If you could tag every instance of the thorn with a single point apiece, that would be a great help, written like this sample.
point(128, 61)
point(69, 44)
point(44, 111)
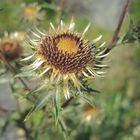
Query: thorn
point(86, 29)
point(97, 39)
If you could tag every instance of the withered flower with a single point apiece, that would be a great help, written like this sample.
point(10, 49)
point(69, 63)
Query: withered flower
point(10, 46)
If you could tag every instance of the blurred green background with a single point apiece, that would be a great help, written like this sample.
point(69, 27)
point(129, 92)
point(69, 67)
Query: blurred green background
point(117, 113)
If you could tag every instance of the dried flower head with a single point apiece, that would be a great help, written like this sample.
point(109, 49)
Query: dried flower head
point(10, 46)
point(65, 57)
point(32, 13)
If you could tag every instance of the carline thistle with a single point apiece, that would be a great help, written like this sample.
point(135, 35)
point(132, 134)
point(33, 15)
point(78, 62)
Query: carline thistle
point(65, 58)
point(11, 46)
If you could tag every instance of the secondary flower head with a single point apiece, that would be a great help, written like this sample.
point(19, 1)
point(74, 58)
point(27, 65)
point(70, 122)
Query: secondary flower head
point(90, 113)
point(10, 46)
point(65, 57)
point(32, 13)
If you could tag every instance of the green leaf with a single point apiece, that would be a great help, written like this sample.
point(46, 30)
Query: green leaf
point(37, 118)
point(57, 104)
point(62, 125)
point(39, 105)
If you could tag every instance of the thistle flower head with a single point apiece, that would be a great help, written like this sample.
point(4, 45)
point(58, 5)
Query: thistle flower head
point(65, 57)
point(10, 46)
point(32, 13)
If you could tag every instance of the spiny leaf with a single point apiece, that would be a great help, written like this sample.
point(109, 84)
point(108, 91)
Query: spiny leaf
point(62, 125)
point(57, 104)
point(39, 105)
